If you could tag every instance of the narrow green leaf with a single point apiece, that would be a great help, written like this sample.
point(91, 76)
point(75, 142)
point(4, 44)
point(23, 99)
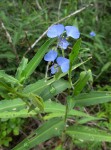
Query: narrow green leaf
point(21, 68)
point(8, 78)
point(38, 86)
point(92, 98)
point(88, 134)
point(105, 67)
point(54, 89)
point(49, 129)
point(34, 62)
point(15, 108)
point(83, 79)
point(10, 105)
point(75, 51)
point(53, 115)
point(37, 101)
point(24, 113)
point(85, 120)
point(54, 107)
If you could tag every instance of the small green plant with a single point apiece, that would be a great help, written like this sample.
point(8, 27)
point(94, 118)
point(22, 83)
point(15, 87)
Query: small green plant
point(19, 99)
point(7, 128)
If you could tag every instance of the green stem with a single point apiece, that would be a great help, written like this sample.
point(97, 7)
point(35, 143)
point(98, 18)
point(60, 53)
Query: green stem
point(63, 53)
point(65, 124)
point(47, 68)
point(69, 77)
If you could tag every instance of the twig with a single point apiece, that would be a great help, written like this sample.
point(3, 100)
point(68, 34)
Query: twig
point(47, 68)
point(38, 5)
point(72, 14)
point(104, 146)
point(60, 3)
point(10, 41)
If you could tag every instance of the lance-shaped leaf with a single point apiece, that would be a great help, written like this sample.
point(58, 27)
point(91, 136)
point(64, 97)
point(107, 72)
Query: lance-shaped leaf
point(54, 107)
point(49, 129)
point(75, 52)
point(38, 86)
point(24, 113)
point(34, 62)
point(85, 133)
point(54, 89)
point(7, 78)
point(92, 98)
point(12, 105)
point(83, 79)
point(15, 108)
point(21, 68)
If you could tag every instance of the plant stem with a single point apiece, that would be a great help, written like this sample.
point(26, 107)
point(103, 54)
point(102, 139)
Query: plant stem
point(69, 77)
point(8, 36)
point(65, 124)
point(47, 68)
point(63, 53)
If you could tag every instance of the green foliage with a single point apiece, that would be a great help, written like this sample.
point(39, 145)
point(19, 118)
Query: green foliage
point(72, 105)
point(82, 81)
point(75, 52)
point(48, 130)
point(34, 62)
point(88, 134)
point(7, 127)
point(28, 101)
point(92, 98)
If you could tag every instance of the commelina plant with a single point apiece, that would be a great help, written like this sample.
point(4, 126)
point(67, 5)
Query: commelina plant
point(62, 33)
point(39, 100)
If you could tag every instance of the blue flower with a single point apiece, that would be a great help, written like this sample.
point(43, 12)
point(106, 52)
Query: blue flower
point(63, 63)
point(55, 30)
point(63, 43)
point(72, 31)
point(54, 69)
point(92, 34)
point(50, 56)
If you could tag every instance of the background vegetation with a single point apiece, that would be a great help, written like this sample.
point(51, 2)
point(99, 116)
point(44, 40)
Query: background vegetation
point(25, 21)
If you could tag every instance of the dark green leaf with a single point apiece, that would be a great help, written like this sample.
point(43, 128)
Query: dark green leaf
point(8, 78)
point(92, 98)
point(21, 68)
point(34, 62)
point(83, 79)
point(54, 89)
point(49, 129)
point(88, 134)
point(75, 51)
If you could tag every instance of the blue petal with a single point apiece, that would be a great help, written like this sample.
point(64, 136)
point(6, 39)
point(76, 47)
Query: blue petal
point(50, 56)
point(63, 63)
point(65, 67)
point(72, 31)
point(63, 43)
point(54, 69)
point(92, 34)
point(55, 30)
